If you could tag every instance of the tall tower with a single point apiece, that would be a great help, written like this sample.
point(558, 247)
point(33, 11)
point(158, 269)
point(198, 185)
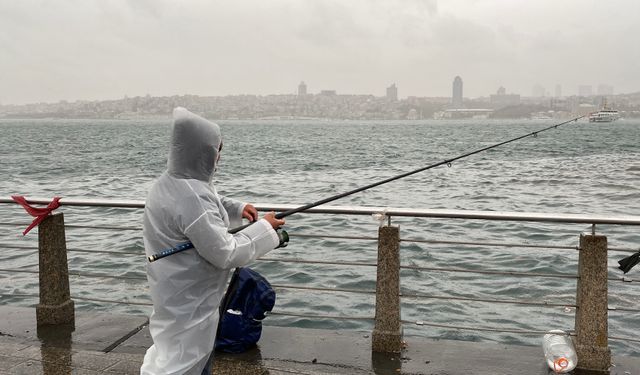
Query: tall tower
point(392, 93)
point(456, 100)
point(302, 88)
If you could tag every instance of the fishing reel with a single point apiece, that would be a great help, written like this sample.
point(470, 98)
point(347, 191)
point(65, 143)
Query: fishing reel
point(283, 237)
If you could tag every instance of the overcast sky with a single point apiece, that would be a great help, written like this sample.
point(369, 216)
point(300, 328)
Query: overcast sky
point(100, 49)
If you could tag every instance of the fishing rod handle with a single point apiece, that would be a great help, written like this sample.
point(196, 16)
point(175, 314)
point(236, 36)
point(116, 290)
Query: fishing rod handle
point(186, 246)
point(173, 250)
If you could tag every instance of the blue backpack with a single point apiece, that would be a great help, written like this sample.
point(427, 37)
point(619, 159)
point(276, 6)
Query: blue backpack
point(248, 299)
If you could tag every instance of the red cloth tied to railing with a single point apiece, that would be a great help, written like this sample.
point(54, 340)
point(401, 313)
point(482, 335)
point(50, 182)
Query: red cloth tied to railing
point(39, 213)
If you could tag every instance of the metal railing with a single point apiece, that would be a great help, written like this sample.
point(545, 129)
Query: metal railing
point(387, 335)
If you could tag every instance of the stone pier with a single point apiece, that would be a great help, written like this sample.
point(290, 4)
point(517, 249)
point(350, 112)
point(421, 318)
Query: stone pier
point(387, 334)
point(56, 306)
point(591, 323)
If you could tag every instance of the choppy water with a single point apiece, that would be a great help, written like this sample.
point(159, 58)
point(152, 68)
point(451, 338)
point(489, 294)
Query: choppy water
point(579, 168)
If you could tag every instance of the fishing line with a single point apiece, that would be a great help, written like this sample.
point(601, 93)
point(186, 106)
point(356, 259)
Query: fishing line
point(448, 162)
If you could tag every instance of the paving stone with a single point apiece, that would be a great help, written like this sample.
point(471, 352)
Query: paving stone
point(9, 348)
point(124, 367)
point(33, 367)
point(7, 362)
point(93, 361)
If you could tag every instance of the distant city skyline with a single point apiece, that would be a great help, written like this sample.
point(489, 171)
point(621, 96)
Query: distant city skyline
point(392, 93)
point(96, 50)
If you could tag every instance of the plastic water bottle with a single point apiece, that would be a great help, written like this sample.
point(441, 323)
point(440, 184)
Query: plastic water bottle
point(559, 351)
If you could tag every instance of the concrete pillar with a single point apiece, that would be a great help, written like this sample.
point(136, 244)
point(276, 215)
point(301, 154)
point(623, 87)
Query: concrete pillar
point(55, 349)
point(387, 334)
point(592, 313)
point(56, 306)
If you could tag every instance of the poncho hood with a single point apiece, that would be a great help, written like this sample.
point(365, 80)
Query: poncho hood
point(194, 146)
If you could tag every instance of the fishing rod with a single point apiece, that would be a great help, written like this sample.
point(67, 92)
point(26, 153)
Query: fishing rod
point(281, 215)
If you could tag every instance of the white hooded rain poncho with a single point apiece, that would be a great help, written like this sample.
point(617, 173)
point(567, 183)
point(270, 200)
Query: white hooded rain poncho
point(187, 288)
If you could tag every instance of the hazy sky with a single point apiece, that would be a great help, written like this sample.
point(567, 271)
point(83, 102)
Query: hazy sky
point(105, 49)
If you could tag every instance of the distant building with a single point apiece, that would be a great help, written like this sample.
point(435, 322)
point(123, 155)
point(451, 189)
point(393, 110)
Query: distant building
point(558, 91)
point(302, 88)
point(456, 100)
point(585, 90)
point(328, 92)
point(537, 91)
point(501, 99)
point(392, 93)
point(605, 90)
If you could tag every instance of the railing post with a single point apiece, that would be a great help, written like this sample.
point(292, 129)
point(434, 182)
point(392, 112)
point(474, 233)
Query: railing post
point(591, 324)
point(56, 306)
point(387, 334)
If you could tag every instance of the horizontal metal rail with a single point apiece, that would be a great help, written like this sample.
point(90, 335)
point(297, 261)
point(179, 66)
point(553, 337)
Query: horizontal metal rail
point(502, 330)
point(505, 244)
point(74, 297)
point(489, 300)
point(314, 316)
point(133, 253)
point(510, 273)
point(294, 260)
point(7, 270)
point(18, 247)
point(492, 244)
point(35, 248)
point(617, 338)
point(111, 301)
point(113, 203)
point(507, 301)
point(625, 309)
point(491, 272)
point(19, 295)
point(333, 290)
point(103, 276)
point(108, 227)
point(12, 224)
point(304, 235)
point(78, 226)
point(352, 210)
point(478, 329)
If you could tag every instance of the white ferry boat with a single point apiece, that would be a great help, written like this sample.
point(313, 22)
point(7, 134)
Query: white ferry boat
point(606, 114)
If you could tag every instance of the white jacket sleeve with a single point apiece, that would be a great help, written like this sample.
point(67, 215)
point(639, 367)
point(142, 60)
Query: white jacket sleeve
point(234, 209)
point(212, 241)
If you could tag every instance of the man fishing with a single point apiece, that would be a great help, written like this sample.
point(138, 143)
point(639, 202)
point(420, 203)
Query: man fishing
point(186, 289)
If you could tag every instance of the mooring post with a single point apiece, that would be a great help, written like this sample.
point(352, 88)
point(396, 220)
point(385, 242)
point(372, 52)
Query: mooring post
point(387, 334)
point(56, 306)
point(591, 298)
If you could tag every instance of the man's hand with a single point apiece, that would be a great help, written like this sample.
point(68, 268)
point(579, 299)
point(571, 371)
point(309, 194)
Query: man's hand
point(275, 223)
point(250, 213)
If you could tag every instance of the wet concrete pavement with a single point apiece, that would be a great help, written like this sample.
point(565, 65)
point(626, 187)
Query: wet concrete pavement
point(110, 344)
